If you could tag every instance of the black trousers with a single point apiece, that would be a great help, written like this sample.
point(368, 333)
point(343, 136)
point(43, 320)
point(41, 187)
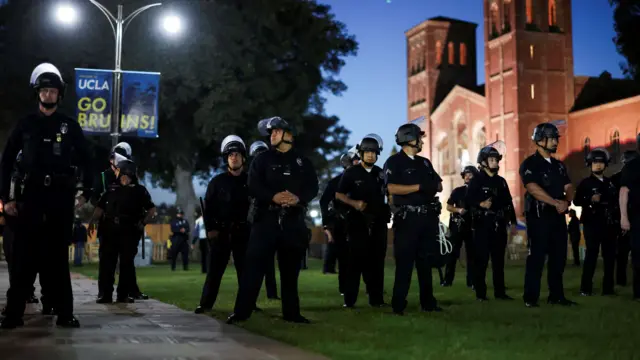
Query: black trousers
point(118, 243)
point(547, 235)
point(204, 254)
point(233, 241)
point(415, 240)
point(42, 232)
point(330, 258)
point(180, 247)
point(268, 237)
point(7, 248)
point(575, 247)
point(490, 242)
point(635, 254)
point(366, 252)
point(622, 258)
point(341, 248)
point(599, 234)
point(270, 278)
point(135, 289)
point(458, 237)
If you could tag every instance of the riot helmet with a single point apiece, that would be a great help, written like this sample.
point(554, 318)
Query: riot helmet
point(122, 151)
point(233, 144)
point(128, 168)
point(258, 147)
point(544, 132)
point(490, 151)
point(266, 126)
point(346, 161)
point(353, 153)
point(598, 155)
point(179, 211)
point(469, 169)
point(372, 143)
point(627, 156)
point(407, 133)
point(47, 76)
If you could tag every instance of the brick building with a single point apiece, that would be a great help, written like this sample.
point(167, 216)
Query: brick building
point(529, 79)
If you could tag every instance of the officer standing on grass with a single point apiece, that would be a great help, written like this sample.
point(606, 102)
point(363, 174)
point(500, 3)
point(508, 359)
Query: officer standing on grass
point(598, 197)
point(413, 184)
point(549, 193)
point(624, 237)
point(180, 240)
point(630, 213)
point(283, 182)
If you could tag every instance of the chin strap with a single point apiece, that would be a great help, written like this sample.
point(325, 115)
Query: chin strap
point(546, 142)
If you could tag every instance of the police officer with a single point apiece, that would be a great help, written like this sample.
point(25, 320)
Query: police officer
point(492, 212)
point(362, 189)
point(180, 240)
point(413, 184)
point(624, 238)
point(574, 236)
point(257, 148)
point(460, 228)
point(283, 183)
point(122, 211)
point(549, 193)
point(630, 213)
point(43, 216)
point(226, 206)
point(334, 225)
point(596, 195)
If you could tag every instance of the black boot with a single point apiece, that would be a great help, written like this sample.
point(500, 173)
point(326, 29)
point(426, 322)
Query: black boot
point(69, 321)
point(11, 323)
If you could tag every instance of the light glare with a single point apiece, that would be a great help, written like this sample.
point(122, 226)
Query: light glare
point(172, 24)
point(66, 14)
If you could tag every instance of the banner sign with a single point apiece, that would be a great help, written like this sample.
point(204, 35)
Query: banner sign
point(93, 110)
point(140, 93)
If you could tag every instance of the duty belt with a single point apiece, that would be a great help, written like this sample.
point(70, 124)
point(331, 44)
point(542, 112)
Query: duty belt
point(403, 210)
point(285, 211)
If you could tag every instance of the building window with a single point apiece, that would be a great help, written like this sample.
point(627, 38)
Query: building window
point(438, 52)
point(506, 16)
point(529, 11)
point(533, 91)
point(531, 51)
point(452, 55)
point(495, 18)
point(615, 146)
point(587, 147)
point(463, 54)
point(553, 20)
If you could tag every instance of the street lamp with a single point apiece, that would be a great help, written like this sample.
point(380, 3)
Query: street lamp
point(172, 24)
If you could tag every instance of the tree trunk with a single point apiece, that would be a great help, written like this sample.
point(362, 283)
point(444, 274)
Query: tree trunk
point(186, 194)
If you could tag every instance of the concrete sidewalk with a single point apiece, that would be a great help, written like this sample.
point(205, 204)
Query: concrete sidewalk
point(146, 330)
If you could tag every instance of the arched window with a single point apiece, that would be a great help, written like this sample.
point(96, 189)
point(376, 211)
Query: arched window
point(587, 146)
point(438, 52)
point(615, 146)
point(553, 20)
point(452, 55)
point(495, 19)
point(463, 54)
point(506, 16)
point(529, 11)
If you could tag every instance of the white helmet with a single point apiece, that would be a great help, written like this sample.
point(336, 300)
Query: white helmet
point(122, 151)
point(232, 143)
point(44, 68)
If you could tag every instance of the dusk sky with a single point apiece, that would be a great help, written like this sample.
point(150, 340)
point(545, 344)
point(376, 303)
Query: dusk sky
point(376, 99)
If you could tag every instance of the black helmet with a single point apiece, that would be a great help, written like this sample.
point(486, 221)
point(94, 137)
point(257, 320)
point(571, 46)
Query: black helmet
point(231, 144)
point(598, 155)
point(265, 126)
point(346, 161)
point(545, 131)
point(469, 170)
point(628, 155)
point(179, 211)
point(407, 133)
point(371, 142)
point(488, 152)
point(257, 148)
point(127, 167)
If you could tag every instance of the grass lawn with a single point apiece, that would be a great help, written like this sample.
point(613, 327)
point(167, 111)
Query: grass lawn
point(599, 328)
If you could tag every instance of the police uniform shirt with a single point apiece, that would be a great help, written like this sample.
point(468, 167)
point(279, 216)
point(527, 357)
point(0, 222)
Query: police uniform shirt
point(368, 186)
point(591, 186)
point(273, 172)
point(631, 179)
point(329, 198)
point(551, 175)
point(128, 203)
point(226, 201)
point(482, 187)
point(458, 200)
point(102, 183)
point(400, 169)
point(48, 144)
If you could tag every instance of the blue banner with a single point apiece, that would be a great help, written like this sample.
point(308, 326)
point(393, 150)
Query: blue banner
point(140, 93)
point(93, 110)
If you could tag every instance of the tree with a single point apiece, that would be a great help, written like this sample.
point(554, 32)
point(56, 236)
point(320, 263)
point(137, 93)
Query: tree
point(626, 18)
point(234, 67)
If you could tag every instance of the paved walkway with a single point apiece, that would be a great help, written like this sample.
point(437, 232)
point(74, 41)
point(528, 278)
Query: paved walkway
point(146, 330)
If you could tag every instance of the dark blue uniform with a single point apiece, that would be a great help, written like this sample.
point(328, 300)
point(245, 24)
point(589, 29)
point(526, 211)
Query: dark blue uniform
point(546, 229)
point(276, 228)
point(631, 180)
point(460, 229)
point(49, 146)
point(623, 245)
point(227, 204)
point(333, 220)
point(366, 233)
point(415, 225)
point(601, 228)
point(490, 229)
point(574, 237)
point(180, 242)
